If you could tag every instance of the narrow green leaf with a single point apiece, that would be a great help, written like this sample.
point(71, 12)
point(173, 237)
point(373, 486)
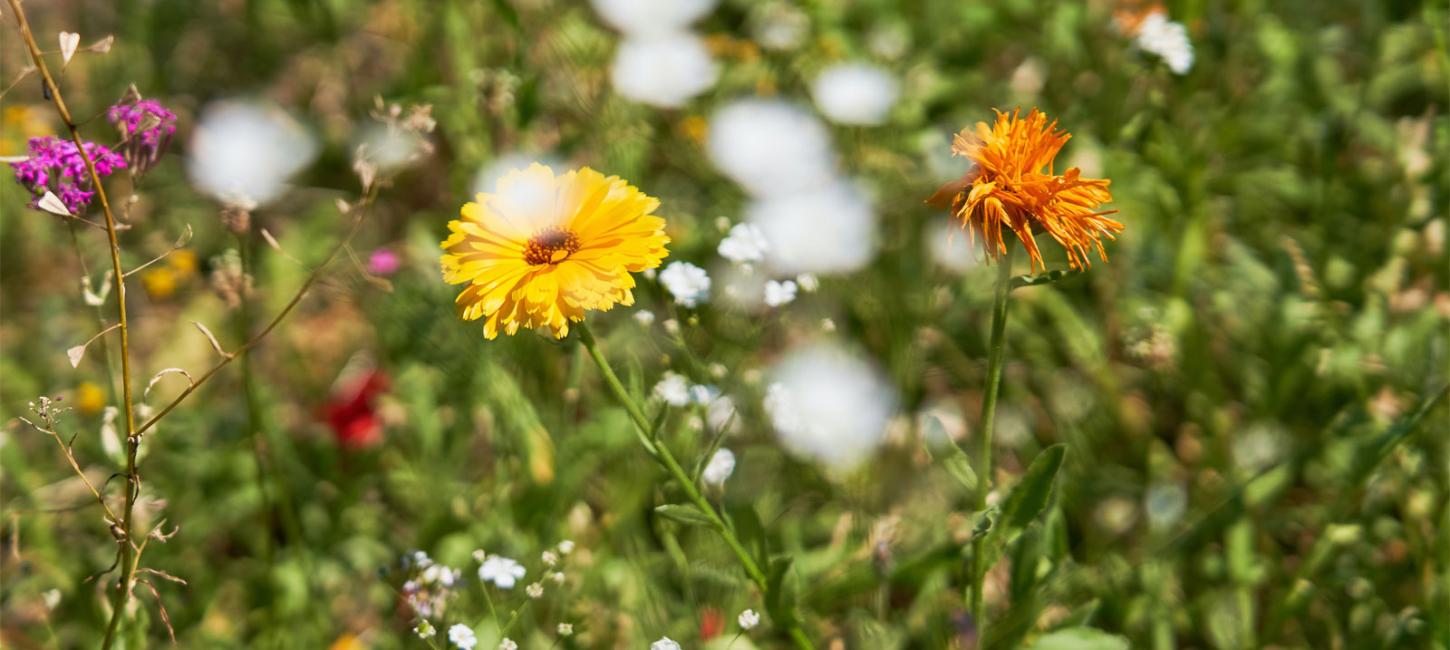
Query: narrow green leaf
point(1031, 495)
point(960, 467)
point(685, 514)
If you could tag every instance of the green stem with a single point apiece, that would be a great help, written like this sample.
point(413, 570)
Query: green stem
point(995, 352)
point(662, 454)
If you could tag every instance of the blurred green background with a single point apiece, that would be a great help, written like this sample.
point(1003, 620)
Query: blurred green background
point(1234, 387)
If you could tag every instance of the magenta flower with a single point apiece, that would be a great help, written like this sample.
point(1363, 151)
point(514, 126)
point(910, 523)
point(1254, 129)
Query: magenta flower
point(146, 128)
point(56, 165)
point(384, 261)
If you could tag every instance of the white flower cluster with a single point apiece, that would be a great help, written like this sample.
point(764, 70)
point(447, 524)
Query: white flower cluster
point(1167, 39)
point(829, 405)
point(660, 62)
point(689, 284)
point(243, 153)
point(855, 93)
point(429, 584)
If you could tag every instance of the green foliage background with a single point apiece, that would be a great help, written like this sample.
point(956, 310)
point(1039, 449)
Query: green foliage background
point(1270, 325)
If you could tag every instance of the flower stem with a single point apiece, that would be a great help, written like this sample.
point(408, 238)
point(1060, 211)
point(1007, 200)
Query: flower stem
point(996, 350)
point(662, 454)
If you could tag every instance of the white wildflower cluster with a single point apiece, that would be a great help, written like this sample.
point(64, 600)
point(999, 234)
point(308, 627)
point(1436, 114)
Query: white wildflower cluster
point(748, 619)
point(665, 643)
point(1167, 39)
point(429, 585)
point(660, 62)
point(677, 391)
point(242, 153)
point(855, 93)
point(689, 284)
point(803, 217)
point(829, 405)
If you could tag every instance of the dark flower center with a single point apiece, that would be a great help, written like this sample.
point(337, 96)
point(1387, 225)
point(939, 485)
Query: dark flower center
point(550, 246)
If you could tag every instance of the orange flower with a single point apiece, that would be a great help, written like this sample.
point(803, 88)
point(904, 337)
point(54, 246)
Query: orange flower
point(1010, 189)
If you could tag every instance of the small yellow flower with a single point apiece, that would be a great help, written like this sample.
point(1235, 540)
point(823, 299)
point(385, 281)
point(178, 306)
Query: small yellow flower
point(182, 261)
point(159, 283)
point(347, 642)
point(544, 249)
point(18, 124)
point(1013, 187)
point(90, 398)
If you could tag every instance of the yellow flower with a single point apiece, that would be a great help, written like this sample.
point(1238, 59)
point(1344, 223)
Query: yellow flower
point(1010, 189)
point(182, 261)
point(160, 283)
point(543, 249)
point(347, 642)
point(90, 399)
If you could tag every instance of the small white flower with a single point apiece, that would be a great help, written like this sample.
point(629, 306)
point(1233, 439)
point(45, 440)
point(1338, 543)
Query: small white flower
point(779, 293)
point(566, 547)
point(643, 17)
point(672, 326)
point(51, 598)
point(779, 26)
point(501, 571)
point(665, 643)
point(689, 284)
point(744, 244)
point(663, 70)
point(721, 465)
point(425, 630)
point(673, 389)
point(557, 577)
point(855, 93)
point(808, 282)
point(748, 619)
point(720, 414)
point(243, 153)
point(507, 644)
point(703, 394)
point(550, 558)
point(644, 317)
point(535, 590)
point(566, 629)
point(479, 555)
point(462, 636)
point(1167, 39)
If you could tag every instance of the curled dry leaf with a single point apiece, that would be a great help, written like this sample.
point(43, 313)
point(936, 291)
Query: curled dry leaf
point(52, 204)
point(215, 345)
point(168, 371)
point(103, 46)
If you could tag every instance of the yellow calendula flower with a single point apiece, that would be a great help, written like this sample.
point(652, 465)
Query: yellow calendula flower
point(1013, 187)
point(545, 248)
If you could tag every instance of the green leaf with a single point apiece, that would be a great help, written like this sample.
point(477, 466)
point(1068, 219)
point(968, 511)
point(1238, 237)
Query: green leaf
point(1031, 495)
point(783, 591)
point(685, 514)
point(1079, 638)
point(1041, 278)
point(960, 467)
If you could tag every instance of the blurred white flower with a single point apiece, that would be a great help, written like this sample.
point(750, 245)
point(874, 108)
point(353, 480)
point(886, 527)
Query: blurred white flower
point(566, 547)
point(549, 558)
point(832, 230)
point(1167, 39)
point(535, 590)
point(501, 571)
point(779, 293)
point(425, 630)
point(673, 389)
point(771, 147)
point(645, 17)
point(507, 644)
point(644, 317)
point(947, 242)
point(689, 284)
point(703, 394)
point(566, 629)
point(1165, 504)
point(738, 285)
point(748, 619)
point(779, 26)
point(808, 282)
point(488, 176)
point(720, 467)
point(744, 244)
point(389, 147)
point(51, 598)
point(663, 70)
point(461, 636)
point(829, 404)
point(855, 93)
point(243, 153)
point(720, 414)
point(665, 643)
point(941, 423)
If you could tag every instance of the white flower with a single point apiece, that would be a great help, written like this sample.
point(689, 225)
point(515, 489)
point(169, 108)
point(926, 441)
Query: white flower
point(644, 317)
point(832, 230)
point(390, 147)
point(779, 26)
point(808, 282)
point(425, 630)
point(566, 547)
point(243, 153)
point(689, 284)
point(501, 571)
point(673, 389)
point(855, 93)
point(779, 293)
point(703, 394)
point(1167, 39)
point(771, 147)
point(507, 644)
point(744, 244)
point(566, 629)
point(748, 619)
point(557, 577)
point(550, 558)
point(663, 70)
point(720, 414)
point(643, 17)
point(829, 405)
point(720, 467)
point(462, 636)
point(51, 598)
point(665, 643)
point(535, 590)
point(437, 574)
point(479, 555)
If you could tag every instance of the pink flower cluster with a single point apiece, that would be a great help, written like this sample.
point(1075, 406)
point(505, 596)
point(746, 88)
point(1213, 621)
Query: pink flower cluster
point(146, 127)
point(56, 165)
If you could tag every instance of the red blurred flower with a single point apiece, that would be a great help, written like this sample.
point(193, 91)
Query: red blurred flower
point(352, 411)
point(712, 623)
